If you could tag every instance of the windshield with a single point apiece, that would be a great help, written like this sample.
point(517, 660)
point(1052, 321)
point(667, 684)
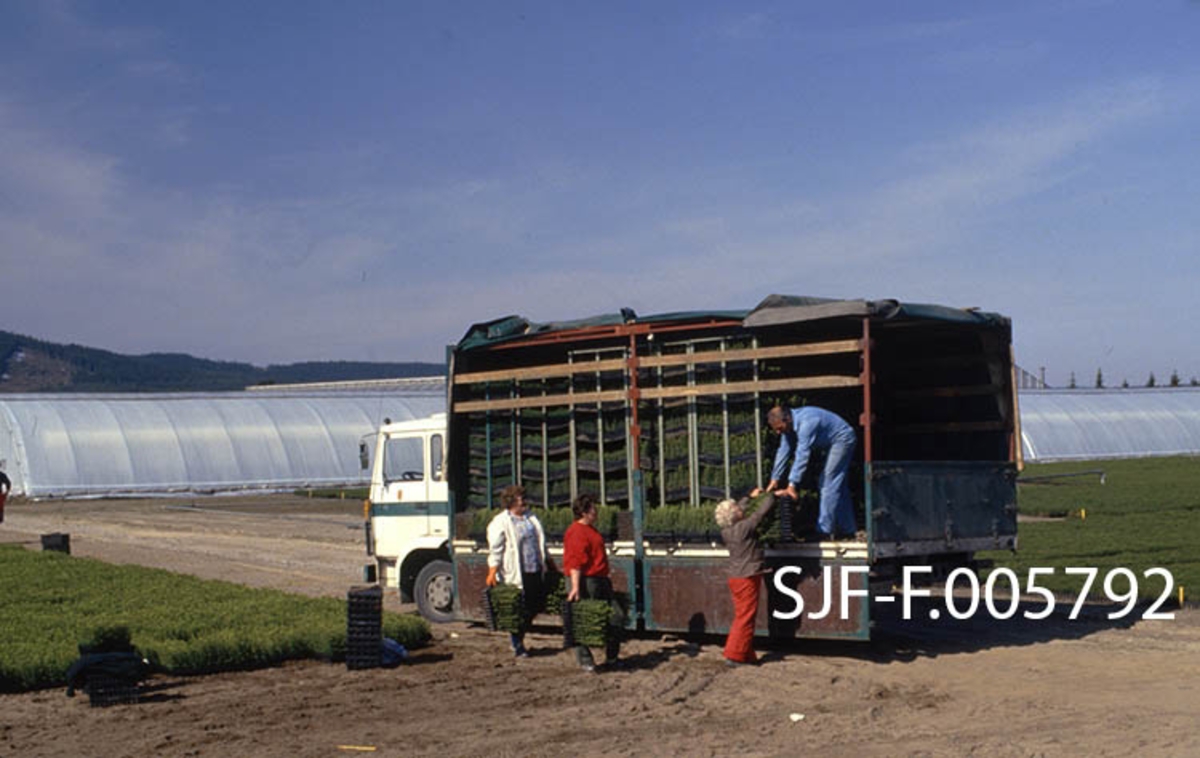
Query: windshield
point(403, 459)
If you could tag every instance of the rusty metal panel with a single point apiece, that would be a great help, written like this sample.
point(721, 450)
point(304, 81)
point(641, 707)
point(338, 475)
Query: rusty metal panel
point(687, 594)
point(692, 595)
point(469, 582)
point(820, 585)
point(624, 587)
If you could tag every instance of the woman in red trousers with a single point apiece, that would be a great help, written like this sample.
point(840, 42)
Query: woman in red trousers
point(746, 569)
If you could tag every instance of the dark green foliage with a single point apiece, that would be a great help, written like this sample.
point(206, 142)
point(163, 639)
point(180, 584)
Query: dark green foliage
point(555, 521)
point(590, 622)
point(768, 529)
point(696, 523)
point(341, 371)
point(107, 639)
point(682, 522)
point(94, 370)
point(507, 608)
point(50, 603)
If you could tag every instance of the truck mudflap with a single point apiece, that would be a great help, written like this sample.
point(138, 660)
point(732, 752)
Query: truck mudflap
point(943, 506)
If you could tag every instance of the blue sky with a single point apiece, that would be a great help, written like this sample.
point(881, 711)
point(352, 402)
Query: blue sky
point(284, 181)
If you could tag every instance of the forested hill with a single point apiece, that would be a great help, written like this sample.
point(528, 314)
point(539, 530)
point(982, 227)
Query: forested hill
point(32, 365)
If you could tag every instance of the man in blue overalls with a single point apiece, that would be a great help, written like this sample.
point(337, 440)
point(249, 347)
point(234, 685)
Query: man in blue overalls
point(800, 431)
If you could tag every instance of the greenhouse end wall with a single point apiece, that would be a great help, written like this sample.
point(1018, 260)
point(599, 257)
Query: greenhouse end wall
point(94, 445)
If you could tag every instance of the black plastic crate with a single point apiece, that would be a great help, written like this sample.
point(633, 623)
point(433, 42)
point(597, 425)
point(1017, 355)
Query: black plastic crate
point(361, 662)
point(364, 628)
point(568, 625)
point(104, 690)
point(367, 596)
point(57, 542)
point(787, 519)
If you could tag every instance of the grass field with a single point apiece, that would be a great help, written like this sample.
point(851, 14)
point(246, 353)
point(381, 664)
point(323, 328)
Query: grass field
point(50, 602)
point(1145, 514)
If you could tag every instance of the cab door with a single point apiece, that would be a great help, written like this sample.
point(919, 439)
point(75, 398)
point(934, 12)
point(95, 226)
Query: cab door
point(404, 481)
point(437, 493)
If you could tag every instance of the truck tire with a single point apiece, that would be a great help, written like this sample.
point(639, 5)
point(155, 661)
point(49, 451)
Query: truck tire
point(434, 592)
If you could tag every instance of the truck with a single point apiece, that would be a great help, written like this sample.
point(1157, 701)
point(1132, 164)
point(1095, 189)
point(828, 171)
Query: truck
point(407, 514)
point(660, 417)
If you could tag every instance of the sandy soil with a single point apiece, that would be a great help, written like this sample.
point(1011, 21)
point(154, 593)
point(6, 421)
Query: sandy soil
point(978, 688)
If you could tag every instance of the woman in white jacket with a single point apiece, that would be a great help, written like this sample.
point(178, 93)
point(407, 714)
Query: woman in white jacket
point(517, 555)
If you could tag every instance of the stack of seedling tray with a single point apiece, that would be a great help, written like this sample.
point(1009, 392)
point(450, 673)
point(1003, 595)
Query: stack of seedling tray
point(364, 628)
point(504, 605)
point(785, 519)
point(586, 622)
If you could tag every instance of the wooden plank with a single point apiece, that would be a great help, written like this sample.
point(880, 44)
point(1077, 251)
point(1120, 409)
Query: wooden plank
point(659, 393)
point(540, 401)
point(551, 371)
point(559, 370)
point(754, 353)
point(749, 387)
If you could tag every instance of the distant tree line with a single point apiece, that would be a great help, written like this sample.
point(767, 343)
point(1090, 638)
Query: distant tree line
point(94, 370)
point(1151, 381)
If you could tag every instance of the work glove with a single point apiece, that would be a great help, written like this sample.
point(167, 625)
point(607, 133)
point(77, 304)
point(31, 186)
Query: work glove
point(492, 581)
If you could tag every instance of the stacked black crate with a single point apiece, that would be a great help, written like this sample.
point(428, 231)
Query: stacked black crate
point(108, 689)
point(364, 627)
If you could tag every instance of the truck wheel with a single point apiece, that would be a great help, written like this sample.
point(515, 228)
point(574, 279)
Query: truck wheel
point(434, 592)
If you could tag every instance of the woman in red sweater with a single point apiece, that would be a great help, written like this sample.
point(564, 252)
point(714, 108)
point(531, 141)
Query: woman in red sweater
point(585, 562)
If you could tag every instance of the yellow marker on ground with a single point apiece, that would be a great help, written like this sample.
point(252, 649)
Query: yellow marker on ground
point(1083, 514)
point(1181, 596)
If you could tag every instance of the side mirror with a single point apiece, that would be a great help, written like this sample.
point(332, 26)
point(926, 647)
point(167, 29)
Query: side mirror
point(364, 458)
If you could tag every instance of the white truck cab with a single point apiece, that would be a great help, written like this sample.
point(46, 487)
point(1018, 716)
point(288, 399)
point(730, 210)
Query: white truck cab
point(408, 514)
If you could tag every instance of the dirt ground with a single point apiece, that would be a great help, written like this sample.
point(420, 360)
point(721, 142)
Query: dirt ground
point(978, 688)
